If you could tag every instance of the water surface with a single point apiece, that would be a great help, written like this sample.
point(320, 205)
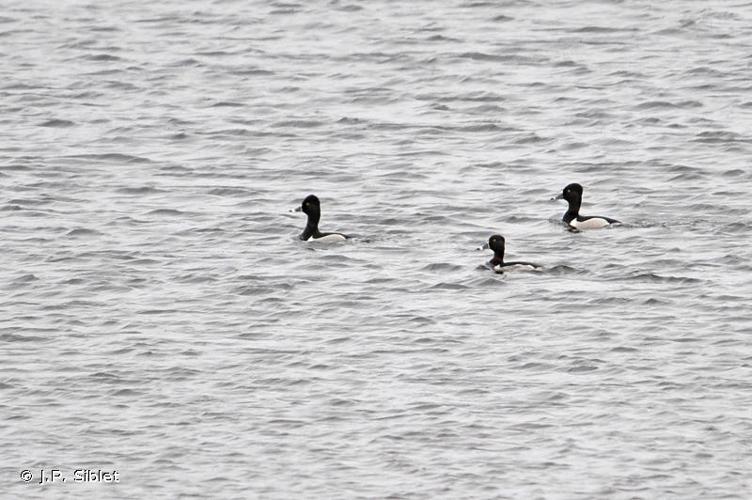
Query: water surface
point(160, 318)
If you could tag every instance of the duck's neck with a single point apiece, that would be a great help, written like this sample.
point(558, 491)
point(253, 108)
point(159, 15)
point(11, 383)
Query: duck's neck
point(574, 209)
point(312, 226)
point(498, 258)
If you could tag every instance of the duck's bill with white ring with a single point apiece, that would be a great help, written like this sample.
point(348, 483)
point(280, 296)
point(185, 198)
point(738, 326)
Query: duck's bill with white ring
point(560, 196)
point(484, 246)
point(299, 209)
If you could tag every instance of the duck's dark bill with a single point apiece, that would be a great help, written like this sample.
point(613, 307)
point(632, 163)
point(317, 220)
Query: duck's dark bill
point(299, 209)
point(484, 246)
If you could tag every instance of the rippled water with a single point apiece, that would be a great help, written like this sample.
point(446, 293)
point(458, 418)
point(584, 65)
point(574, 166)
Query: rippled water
point(160, 318)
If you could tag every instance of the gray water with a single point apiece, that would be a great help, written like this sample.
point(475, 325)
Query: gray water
point(160, 318)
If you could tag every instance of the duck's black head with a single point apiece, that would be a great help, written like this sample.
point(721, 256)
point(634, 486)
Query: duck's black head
point(311, 205)
point(572, 192)
point(497, 244)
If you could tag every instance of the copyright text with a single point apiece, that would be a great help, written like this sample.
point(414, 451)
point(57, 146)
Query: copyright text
point(45, 476)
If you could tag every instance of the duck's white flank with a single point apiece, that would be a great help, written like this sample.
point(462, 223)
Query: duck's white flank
point(329, 238)
point(592, 223)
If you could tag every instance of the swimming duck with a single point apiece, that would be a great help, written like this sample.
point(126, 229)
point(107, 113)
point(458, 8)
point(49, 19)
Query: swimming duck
point(311, 206)
point(573, 194)
point(497, 243)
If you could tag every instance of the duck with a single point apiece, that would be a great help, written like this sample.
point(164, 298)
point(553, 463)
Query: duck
point(572, 193)
point(311, 206)
point(497, 243)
